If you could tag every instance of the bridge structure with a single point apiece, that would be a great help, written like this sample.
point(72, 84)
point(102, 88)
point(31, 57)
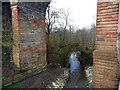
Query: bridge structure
point(29, 43)
point(28, 27)
point(105, 57)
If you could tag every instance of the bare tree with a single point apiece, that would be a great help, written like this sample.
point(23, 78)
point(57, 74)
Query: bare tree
point(64, 21)
point(51, 18)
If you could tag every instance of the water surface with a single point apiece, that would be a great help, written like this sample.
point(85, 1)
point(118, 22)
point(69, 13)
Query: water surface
point(78, 77)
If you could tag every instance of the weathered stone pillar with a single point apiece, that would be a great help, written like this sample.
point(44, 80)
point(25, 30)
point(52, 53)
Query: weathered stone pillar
point(29, 43)
point(105, 56)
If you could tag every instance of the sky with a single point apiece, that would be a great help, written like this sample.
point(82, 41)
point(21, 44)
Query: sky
point(82, 12)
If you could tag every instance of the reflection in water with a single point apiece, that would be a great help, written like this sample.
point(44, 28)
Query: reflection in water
point(77, 77)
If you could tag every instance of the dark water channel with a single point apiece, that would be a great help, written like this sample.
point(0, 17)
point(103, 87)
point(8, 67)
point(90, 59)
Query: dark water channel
point(78, 77)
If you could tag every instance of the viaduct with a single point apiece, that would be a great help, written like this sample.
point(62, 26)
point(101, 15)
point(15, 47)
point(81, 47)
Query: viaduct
point(29, 45)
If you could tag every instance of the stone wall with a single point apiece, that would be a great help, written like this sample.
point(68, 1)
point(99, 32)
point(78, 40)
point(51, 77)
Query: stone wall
point(105, 56)
point(29, 47)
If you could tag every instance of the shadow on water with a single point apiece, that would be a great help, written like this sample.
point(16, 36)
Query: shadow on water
point(78, 77)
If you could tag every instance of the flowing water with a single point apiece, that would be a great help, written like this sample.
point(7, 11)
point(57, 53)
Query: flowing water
point(79, 78)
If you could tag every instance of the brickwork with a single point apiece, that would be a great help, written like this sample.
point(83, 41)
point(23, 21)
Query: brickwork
point(105, 56)
point(29, 48)
point(29, 45)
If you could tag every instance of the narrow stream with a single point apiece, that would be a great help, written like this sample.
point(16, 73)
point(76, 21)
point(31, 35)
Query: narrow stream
point(78, 78)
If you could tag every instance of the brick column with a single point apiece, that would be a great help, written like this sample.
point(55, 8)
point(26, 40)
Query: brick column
point(105, 56)
point(16, 41)
point(29, 43)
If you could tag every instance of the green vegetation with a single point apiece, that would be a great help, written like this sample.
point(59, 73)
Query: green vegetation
point(59, 50)
point(64, 38)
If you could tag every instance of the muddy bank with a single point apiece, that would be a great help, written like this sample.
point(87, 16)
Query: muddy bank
point(79, 77)
point(47, 79)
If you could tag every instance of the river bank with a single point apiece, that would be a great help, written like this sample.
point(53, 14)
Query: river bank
point(56, 77)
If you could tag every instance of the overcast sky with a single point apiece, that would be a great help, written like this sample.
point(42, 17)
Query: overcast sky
point(82, 12)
